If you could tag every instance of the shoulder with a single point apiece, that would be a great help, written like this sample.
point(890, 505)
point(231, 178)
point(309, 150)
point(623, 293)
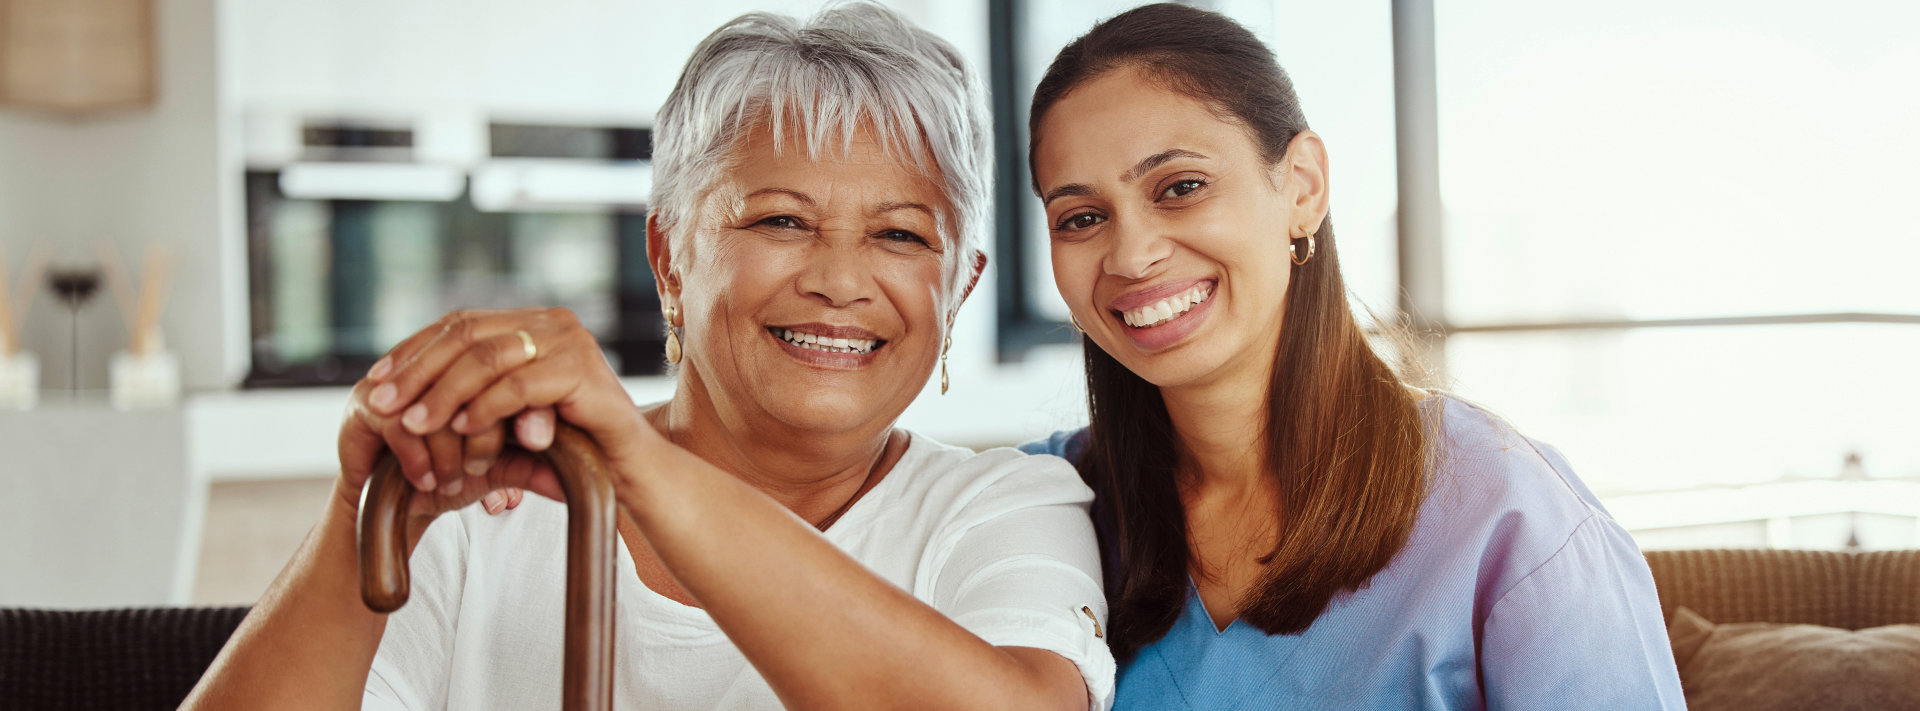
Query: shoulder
point(1011, 476)
point(1480, 460)
point(1507, 500)
point(1065, 444)
point(957, 483)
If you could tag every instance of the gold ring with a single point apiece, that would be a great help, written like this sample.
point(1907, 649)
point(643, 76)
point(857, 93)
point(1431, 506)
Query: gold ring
point(526, 340)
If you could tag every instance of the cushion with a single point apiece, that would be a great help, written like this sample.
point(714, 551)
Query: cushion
point(1765, 666)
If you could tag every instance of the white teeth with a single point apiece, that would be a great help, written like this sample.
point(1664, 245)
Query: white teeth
point(1165, 310)
point(830, 345)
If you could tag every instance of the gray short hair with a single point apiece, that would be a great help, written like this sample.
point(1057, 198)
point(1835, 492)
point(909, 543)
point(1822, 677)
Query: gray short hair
point(852, 65)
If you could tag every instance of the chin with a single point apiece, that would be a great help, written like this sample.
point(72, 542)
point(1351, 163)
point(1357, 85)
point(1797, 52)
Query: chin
point(828, 409)
point(1188, 364)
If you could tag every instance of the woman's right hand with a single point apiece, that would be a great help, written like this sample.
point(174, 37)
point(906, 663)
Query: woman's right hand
point(437, 463)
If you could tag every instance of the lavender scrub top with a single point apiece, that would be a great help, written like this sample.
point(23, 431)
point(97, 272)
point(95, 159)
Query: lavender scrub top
point(1516, 591)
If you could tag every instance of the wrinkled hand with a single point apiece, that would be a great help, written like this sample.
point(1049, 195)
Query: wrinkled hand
point(365, 435)
point(442, 399)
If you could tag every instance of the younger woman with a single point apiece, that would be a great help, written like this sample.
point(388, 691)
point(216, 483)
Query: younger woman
point(1286, 523)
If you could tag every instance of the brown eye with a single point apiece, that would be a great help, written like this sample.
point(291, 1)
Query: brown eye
point(782, 221)
point(1182, 188)
point(904, 236)
point(1077, 222)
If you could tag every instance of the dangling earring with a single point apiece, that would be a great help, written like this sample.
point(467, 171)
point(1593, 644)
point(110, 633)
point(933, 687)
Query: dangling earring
point(673, 336)
point(1294, 255)
point(944, 347)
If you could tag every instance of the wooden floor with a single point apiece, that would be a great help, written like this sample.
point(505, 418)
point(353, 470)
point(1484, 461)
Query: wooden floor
point(252, 529)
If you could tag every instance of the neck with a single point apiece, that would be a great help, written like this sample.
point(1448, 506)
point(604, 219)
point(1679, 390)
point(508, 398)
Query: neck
point(814, 474)
point(1221, 428)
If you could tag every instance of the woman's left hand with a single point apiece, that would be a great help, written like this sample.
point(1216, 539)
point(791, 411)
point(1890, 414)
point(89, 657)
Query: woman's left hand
point(472, 369)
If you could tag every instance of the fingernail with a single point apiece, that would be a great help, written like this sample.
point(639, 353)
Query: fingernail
point(381, 369)
point(460, 423)
point(453, 486)
point(416, 418)
point(426, 482)
point(543, 430)
point(383, 396)
point(493, 503)
point(476, 467)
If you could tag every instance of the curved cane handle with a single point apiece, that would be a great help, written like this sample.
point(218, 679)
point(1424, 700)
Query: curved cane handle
point(588, 482)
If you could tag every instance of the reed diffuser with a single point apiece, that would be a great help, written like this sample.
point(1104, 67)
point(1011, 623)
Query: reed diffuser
point(144, 375)
point(19, 369)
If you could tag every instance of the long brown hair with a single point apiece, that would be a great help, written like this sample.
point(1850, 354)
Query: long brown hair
point(1344, 437)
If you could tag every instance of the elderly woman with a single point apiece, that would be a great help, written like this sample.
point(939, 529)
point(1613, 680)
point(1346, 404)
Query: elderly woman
point(817, 209)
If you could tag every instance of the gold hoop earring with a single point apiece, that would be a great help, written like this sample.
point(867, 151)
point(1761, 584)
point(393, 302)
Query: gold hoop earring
point(944, 347)
point(673, 336)
point(1076, 323)
point(1293, 253)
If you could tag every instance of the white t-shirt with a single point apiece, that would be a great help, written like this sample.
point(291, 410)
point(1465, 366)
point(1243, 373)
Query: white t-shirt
point(998, 541)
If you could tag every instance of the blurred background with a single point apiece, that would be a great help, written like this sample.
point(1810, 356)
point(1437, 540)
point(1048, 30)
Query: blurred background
point(1671, 238)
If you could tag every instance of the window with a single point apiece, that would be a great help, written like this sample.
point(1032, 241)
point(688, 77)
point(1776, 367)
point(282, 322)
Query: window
point(1676, 242)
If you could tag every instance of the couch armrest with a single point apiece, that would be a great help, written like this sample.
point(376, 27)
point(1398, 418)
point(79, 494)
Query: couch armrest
point(121, 659)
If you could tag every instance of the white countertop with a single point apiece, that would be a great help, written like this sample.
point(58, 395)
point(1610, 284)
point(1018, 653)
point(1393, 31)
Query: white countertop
point(290, 433)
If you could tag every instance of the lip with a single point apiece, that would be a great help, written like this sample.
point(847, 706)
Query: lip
point(1169, 333)
point(824, 359)
point(1147, 295)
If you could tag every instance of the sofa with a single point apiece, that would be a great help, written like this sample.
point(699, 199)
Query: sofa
point(53, 660)
point(150, 658)
point(1757, 630)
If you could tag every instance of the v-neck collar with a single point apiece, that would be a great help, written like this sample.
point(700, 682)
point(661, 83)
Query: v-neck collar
point(1187, 647)
point(1198, 605)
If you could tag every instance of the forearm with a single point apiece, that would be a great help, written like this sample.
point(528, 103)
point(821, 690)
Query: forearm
point(823, 630)
point(309, 641)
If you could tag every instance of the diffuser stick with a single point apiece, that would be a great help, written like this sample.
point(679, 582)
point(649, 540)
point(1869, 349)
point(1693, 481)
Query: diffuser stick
point(153, 295)
point(29, 285)
point(7, 345)
point(13, 308)
point(122, 284)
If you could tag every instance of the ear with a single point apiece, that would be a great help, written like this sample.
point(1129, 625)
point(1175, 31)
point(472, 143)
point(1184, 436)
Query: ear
point(979, 267)
point(660, 257)
point(1307, 172)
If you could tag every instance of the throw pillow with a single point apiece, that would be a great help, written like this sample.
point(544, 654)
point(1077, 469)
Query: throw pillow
point(1765, 666)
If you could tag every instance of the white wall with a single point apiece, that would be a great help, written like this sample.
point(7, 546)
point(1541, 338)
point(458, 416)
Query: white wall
point(148, 175)
point(610, 61)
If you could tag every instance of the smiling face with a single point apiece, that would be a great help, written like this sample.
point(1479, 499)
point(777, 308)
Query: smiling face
point(813, 291)
point(1169, 231)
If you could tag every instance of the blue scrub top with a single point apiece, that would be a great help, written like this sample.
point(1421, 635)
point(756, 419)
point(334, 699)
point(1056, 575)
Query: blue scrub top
point(1516, 591)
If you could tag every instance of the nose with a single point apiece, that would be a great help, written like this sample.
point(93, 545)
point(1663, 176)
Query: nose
point(1138, 246)
point(837, 275)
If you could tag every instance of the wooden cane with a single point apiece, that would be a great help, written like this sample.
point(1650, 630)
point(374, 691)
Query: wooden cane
point(587, 684)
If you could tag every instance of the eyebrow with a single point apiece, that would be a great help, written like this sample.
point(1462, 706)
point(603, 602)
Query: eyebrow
point(1149, 163)
point(807, 200)
point(891, 206)
point(804, 198)
point(1155, 161)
